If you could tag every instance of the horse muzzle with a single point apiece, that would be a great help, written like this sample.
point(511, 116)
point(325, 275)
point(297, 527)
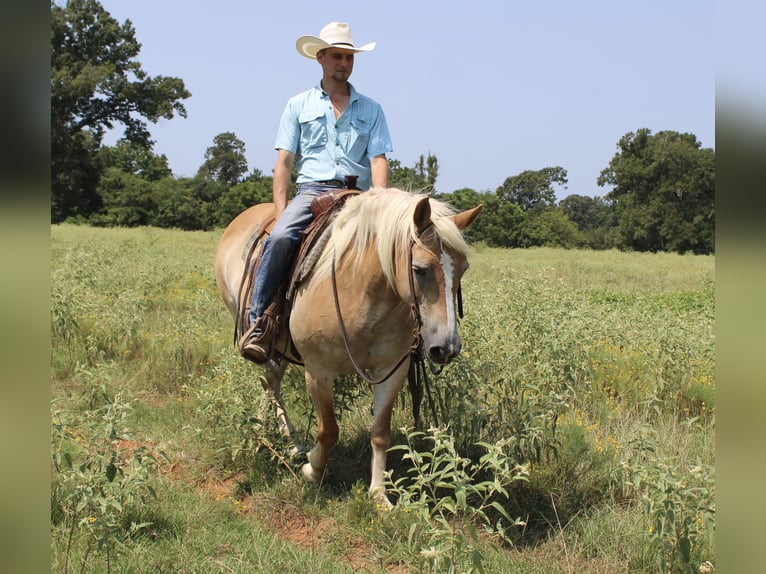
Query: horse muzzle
point(443, 354)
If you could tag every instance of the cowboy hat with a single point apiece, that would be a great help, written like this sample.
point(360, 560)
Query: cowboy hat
point(335, 34)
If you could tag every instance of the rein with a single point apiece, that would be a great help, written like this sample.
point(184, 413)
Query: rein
point(414, 311)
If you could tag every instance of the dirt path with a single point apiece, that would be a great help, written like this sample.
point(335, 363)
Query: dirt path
point(300, 529)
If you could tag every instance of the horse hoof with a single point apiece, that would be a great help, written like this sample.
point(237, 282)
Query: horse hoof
point(382, 503)
point(310, 473)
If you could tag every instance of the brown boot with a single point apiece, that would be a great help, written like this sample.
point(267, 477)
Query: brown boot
point(255, 344)
point(253, 347)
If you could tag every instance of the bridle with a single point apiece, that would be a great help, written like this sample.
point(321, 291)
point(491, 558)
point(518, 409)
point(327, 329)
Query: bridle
point(417, 376)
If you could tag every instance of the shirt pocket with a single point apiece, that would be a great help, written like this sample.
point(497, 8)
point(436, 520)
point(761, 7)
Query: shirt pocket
point(313, 129)
point(358, 138)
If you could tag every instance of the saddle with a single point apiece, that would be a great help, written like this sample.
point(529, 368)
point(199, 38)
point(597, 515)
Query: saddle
point(324, 208)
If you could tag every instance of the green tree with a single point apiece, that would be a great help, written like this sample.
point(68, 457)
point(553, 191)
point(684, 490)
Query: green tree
point(427, 169)
point(239, 197)
point(582, 210)
point(225, 160)
point(127, 199)
point(126, 186)
point(420, 178)
point(550, 228)
point(136, 159)
point(179, 206)
point(462, 199)
point(500, 225)
point(533, 190)
point(96, 82)
point(467, 198)
point(594, 217)
point(499, 222)
point(664, 192)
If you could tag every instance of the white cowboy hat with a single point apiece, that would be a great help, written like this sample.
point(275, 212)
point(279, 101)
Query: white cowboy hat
point(337, 34)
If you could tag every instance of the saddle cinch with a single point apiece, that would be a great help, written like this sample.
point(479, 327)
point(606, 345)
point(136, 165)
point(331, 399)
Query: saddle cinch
point(277, 313)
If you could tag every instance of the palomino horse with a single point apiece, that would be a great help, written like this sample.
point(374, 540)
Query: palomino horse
point(390, 270)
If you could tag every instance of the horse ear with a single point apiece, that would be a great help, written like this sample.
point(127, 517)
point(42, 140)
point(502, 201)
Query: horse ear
point(466, 218)
point(422, 216)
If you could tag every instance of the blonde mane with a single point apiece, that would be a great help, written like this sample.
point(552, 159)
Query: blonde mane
point(384, 218)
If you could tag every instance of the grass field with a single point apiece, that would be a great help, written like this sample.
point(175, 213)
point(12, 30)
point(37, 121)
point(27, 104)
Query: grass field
point(576, 431)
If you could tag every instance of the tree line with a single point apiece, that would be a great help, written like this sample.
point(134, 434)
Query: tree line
point(662, 185)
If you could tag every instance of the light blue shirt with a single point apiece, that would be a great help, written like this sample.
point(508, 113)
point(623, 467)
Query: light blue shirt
point(326, 148)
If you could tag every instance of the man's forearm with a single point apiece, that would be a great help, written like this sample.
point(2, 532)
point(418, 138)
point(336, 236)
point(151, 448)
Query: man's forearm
point(379, 171)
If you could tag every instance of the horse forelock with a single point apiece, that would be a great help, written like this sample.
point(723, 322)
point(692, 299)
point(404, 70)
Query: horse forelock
point(384, 218)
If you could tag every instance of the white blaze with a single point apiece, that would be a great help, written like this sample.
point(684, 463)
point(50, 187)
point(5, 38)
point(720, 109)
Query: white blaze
point(448, 270)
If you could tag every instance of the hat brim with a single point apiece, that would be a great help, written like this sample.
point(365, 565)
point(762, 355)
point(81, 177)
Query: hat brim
point(308, 46)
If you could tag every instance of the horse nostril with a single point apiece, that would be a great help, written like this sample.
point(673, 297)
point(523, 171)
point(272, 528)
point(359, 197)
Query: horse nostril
point(436, 354)
point(441, 355)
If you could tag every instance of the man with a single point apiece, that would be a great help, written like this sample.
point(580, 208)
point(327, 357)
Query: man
point(331, 131)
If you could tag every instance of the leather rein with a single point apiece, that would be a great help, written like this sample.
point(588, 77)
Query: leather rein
point(414, 313)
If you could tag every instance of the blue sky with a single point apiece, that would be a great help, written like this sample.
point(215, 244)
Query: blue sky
point(492, 88)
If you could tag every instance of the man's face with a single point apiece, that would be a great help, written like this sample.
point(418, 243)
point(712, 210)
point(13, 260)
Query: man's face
point(336, 63)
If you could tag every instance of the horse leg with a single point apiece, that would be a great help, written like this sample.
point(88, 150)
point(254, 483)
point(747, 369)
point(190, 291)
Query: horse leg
point(320, 390)
point(271, 380)
point(384, 397)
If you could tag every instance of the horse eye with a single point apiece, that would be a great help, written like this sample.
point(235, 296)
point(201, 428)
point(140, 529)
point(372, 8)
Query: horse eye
point(419, 271)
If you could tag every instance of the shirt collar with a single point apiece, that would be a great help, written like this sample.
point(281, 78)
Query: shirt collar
point(353, 94)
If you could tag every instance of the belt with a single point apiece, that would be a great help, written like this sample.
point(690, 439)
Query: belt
point(348, 182)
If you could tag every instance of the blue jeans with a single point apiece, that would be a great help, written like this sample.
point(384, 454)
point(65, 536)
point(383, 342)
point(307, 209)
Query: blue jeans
point(280, 247)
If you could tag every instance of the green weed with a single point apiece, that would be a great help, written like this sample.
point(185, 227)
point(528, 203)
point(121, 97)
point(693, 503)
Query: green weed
point(100, 478)
point(449, 496)
point(679, 504)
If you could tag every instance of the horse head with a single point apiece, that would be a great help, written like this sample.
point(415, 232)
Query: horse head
point(438, 260)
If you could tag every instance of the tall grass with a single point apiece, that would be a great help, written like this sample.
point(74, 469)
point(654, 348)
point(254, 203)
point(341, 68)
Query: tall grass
point(588, 374)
